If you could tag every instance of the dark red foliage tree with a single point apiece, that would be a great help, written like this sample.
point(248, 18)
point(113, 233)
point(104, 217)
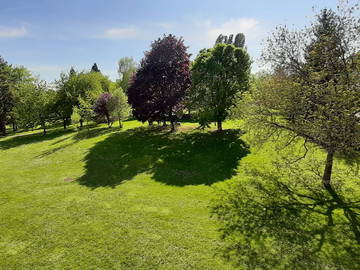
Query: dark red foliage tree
point(101, 107)
point(158, 88)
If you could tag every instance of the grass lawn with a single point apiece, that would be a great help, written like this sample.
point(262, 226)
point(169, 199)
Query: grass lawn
point(109, 199)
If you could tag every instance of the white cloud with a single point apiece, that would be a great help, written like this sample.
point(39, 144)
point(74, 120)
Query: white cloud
point(249, 26)
point(12, 32)
point(49, 68)
point(166, 26)
point(120, 33)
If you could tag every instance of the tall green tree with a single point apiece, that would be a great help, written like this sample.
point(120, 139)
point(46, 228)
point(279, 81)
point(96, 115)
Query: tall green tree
point(313, 91)
point(43, 105)
point(239, 40)
point(219, 76)
point(22, 82)
point(126, 69)
point(6, 97)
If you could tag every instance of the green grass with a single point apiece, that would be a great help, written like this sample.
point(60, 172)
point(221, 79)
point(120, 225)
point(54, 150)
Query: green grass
point(139, 200)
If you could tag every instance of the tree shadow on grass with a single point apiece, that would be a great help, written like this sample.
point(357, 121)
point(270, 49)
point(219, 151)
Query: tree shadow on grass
point(79, 135)
point(18, 140)
point(175, 159)
point(93, 131)
point(268, 222)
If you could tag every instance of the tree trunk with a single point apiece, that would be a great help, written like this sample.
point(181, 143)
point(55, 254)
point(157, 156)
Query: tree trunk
point(64, 123)
point(164, 123)
point(81, 123)
point(44, 128)
point(328, 169)
point(172, 122)
point(14, 126)
point(2, 127)
point(173, 127)
point(107, 119)
point(120, 123)
point(219, 125)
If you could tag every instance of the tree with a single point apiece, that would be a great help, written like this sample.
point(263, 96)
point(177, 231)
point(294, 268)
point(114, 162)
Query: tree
point(238, 42)
point(95, 68)
point(25, 114)
point(119, 106)
point(219, 76)
point(102, 108)
point(73, 87)
point(75, 116)
point(34, 104)
point(112, 105)
point(126, 69)
point(21, 86)
point(6, 97)
point(159, 85)
point(85, 111)
point(43, 104)
point(67, 96)
point(313, 90)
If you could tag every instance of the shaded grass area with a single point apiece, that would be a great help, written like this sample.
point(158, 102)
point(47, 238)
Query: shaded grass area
point(149, 209)
point(192, 158)
point(29, 138)
point(275, 214)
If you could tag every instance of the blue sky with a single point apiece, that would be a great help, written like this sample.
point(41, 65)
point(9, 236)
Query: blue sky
point(50, 36)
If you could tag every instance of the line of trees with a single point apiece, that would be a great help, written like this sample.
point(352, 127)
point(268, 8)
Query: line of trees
point(27, 102)
point(160, 88)
point(166, 81)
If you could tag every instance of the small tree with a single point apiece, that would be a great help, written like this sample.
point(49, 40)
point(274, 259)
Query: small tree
point(118, 105)
point(111, 106)
point(44, 104)
point(313, 92)
point(104, 107)
point(85, 111)
point(219, 76)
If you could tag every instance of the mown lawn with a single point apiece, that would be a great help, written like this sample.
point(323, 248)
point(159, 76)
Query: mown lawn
point(109, 199)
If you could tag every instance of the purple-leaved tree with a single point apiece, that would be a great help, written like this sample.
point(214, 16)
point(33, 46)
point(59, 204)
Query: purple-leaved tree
point(158, 88)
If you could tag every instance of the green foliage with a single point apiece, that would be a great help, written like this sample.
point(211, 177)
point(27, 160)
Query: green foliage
point(239, 40)
point(119, 106)
point(76, 117)
point(7, 79)
point(313, 90)
point(219, 76)
point(126, 69)
point(80, 90)
point(85, 110)
point(34, 103)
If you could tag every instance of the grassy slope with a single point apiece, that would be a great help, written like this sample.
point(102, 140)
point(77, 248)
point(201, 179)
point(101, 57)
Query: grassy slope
point(140, 202)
